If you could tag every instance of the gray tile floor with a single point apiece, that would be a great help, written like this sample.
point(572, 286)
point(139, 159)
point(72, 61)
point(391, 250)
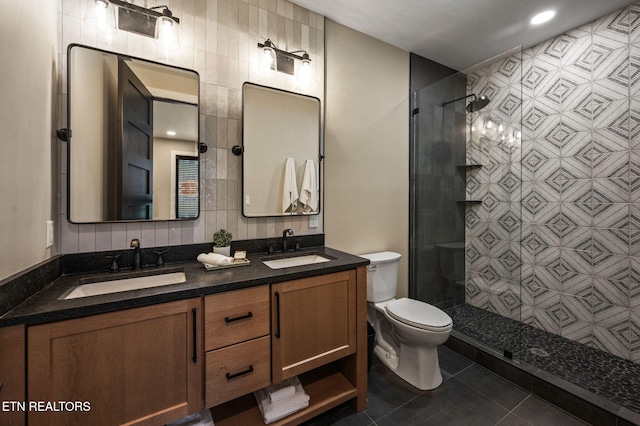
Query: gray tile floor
point(469, 395)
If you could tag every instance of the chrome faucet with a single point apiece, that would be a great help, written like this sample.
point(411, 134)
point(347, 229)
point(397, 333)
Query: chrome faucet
point(284, 239)
point(137, 263)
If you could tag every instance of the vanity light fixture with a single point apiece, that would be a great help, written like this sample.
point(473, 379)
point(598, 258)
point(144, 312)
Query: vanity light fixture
point(101, 14)
point(157, 22)
point(283, 61)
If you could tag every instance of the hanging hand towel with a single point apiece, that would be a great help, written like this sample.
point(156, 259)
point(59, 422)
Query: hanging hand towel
point(289, 187)
point(309, 190)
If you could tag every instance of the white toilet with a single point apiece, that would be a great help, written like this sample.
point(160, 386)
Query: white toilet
point(407, 331)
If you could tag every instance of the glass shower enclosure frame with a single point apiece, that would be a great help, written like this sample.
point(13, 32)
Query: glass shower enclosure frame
point(466, 223)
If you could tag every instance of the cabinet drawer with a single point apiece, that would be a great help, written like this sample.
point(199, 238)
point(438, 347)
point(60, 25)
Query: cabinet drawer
point(237, 370)
point(236, 316)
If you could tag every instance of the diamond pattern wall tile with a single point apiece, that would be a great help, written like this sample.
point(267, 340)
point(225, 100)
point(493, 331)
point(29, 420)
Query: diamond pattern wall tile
point(634, 123)
point(574, 216)
point(606, 91)
point(579, 286)
point(634, 216)
point(547, 278)
point(616, 267)
point(634, 337)
point(576, 190)
point(634, 70)
point(534, 118)
point(576, 260)
point(612, 240)
point(609, 140)
point(546, 312)
point(546, 235)
point(608, 341)
point(614, 26)
point(568, 202)
point(610, 215)
point(613, 114)
point(548, 214)
point(611, 292)
point(580, 239)
point(611, 165)
point(547, 170)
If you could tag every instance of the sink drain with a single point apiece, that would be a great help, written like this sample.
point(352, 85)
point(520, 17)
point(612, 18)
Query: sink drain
point(539, 352)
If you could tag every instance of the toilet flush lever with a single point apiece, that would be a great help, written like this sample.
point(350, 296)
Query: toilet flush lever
point(372, 268)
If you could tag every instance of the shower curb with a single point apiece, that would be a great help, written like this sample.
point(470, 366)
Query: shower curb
point(573, 399)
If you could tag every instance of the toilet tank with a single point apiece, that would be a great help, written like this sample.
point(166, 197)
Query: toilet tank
point(382, 275)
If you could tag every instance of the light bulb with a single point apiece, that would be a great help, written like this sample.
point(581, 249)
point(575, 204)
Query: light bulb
point(102, 15)
point(167, 33)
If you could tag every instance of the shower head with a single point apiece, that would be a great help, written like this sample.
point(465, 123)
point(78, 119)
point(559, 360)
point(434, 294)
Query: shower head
point(475, 105)
point(478, 103)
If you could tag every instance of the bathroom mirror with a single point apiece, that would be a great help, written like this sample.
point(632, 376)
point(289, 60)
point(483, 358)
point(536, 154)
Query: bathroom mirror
point(132, 135)
point(281, 149)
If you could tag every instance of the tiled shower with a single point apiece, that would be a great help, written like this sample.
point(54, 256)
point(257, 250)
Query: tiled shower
point(555, 240)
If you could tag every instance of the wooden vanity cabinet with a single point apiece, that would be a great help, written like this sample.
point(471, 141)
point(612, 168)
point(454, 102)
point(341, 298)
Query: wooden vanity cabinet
point(138, 366)
point(237, 344)
point(12, 374)
point(314, 323)
point(319, 333)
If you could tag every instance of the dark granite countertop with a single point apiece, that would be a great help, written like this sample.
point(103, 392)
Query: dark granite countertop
point(48, 305)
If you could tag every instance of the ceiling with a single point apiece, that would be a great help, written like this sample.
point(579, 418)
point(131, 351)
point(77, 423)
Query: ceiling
point(460, 33)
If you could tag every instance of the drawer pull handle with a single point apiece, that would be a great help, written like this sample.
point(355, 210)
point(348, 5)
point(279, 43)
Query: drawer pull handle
point(242, 373)
point(228, 320)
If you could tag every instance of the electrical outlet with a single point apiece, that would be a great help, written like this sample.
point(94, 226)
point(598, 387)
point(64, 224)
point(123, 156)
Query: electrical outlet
point(49, 242)
point(313, 221)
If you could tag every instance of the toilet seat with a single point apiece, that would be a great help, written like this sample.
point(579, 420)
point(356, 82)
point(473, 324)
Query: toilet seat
point(419, 314)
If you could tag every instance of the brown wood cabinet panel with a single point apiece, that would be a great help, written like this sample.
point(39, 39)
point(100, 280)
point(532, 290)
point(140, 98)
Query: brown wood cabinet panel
point(314, 322)
point(138, 366)
point(236, 316)
point(237, 370)
point(12, 373)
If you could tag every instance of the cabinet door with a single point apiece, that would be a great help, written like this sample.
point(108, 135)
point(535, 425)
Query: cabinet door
point(313, 323)
point(139, 366)
point(12, 375)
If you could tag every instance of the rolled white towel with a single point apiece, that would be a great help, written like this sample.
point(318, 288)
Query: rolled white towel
point(282, 390)
point(214, 259)
point(272, 411)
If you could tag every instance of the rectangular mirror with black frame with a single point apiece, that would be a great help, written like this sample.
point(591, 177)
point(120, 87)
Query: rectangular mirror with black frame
point(281, 152)
point(130, 123)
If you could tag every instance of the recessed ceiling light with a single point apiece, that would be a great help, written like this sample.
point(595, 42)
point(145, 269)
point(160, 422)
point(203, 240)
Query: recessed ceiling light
point(171, 133)
point(543, 17)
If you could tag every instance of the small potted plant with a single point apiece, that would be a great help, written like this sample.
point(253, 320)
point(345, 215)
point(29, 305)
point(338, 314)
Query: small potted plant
point(222, 242)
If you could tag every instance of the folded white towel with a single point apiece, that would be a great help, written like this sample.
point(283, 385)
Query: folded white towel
point(272, 411)
point(289, 187)
point(282, 390)
point(309, 190)
point(214, 259)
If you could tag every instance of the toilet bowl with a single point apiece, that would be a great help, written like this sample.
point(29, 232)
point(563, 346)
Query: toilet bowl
point(407, 331)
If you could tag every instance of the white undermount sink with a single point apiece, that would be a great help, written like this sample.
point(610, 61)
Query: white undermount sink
point(115, 285)
point(288, 262)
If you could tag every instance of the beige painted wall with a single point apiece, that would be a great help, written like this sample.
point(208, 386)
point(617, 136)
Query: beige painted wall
point(366, 146)
point(27, 176)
